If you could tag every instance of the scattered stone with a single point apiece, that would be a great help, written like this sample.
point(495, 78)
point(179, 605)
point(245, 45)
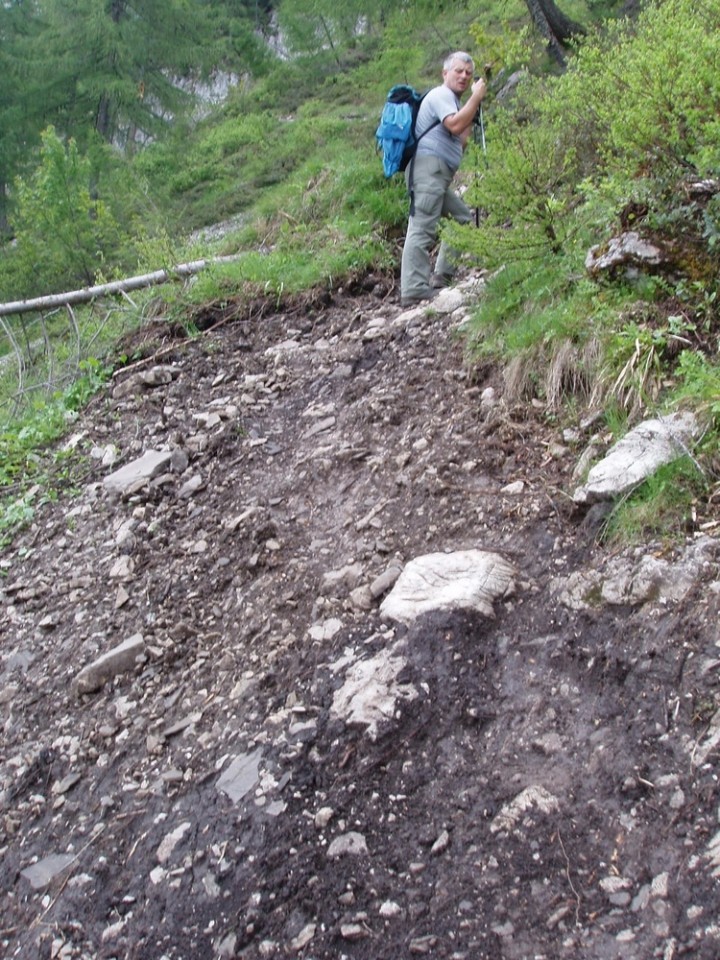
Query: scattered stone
point(354, 931)
point(326, 630)
point(239, 778)
point(629, 250)
point(532, 798)
point(42, 873)
point(209, 419)
point(321, 426)
point(112, 931)
point(121, 597)
point(386, 581)
point(630, 582)
point(191, 487)
point(338, 583)
point(66, 784)
point(180, 726)
point(170, 841)
point(555, 918)
point(347, 844)
point(179, 461)
point(441, 844)
point(422, 944)
point(548, 743)
point(239, 750)
point(226, 947)
point(625, 936)
point(123, 569)
point(303, 938)
point(513, 489)
point(107, 455)
point(361, 598)
point(488, 398)
point(323, 817)
point(389, 909)
point(120, 659)
point(157, 876)
point(660, 885)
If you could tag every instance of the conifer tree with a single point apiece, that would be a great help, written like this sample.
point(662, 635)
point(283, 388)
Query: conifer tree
point(309, 26)
point(20, 100)
point(122, 68)
point(116, 65)
point(116, 69)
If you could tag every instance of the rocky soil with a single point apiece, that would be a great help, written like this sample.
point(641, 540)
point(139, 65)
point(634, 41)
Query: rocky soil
point(219, 741)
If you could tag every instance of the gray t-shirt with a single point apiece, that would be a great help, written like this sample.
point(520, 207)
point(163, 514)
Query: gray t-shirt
point(440, 102)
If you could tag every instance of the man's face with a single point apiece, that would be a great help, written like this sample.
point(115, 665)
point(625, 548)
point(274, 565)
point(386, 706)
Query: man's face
point(459, 76)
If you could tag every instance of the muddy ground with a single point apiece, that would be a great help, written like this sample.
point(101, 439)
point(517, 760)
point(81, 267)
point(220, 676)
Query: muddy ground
point(545, 784)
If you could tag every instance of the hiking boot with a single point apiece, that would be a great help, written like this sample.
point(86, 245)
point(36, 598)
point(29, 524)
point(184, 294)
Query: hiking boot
point(440, 280)
point(415, 301)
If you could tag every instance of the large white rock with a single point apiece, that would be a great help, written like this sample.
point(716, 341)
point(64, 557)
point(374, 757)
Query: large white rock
point(627, 250)
point(464, 580)
point(637, 456)
point(371, 691)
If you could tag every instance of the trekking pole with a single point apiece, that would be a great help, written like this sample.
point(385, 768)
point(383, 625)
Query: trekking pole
point(479, 125)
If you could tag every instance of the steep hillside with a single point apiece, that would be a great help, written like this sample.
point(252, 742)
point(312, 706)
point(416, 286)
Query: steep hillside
point(221, 740)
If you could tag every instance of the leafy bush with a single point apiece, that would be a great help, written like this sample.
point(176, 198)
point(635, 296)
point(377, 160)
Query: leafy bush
point(647, 94)
point(634, 115)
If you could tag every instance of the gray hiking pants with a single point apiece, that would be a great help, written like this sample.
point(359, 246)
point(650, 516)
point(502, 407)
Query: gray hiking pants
point(434, 199)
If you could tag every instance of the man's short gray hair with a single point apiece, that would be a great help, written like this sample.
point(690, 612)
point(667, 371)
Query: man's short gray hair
point(458, 55)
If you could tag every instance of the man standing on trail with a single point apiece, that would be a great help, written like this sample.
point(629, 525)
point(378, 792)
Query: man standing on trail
point(442, 130)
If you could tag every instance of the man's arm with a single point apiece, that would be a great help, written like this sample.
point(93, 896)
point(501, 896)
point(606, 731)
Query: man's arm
point(459, 123)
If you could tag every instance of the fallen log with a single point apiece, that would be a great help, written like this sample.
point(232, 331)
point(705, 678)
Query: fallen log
point(86, 294)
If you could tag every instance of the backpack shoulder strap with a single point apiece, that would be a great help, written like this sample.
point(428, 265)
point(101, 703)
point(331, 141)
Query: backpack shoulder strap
point(411, 170)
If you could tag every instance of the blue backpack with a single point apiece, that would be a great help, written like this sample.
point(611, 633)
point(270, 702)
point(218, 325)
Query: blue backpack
point(395, 134)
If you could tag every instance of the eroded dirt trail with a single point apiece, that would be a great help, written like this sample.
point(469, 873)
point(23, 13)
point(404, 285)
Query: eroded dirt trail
point(543, 783)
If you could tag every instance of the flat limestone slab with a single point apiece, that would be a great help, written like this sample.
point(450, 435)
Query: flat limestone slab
point(464, 580)
point(637, 456)
point(42, 873)
point(149, 465)
point(240, 776)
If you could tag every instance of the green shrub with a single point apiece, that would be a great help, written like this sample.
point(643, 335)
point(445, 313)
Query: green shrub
point(62, 231)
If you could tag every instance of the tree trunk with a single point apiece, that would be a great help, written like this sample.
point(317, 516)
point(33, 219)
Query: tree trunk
point(329, 38)
point(104, 114)
point(102, 118)
point(86, 294)
point(554, 25)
